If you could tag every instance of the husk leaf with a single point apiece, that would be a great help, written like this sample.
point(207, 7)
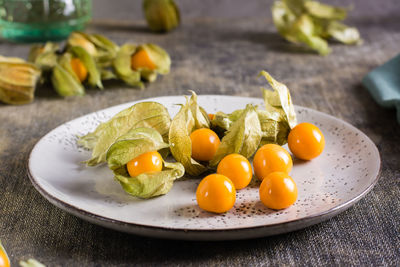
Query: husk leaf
point(18, 81)
point(243, 137)
point(143, 114)
point(182, 125)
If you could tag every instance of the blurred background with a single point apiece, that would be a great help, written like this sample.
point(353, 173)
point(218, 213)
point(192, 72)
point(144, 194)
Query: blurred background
point(105, 9)
point(126, 12)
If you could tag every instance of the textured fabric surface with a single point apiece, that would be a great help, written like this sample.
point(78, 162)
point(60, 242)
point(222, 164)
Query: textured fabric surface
point(214, 55)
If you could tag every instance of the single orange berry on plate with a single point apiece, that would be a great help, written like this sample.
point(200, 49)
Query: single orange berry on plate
point(237, 168)
point(141, 59)
point(278, 191)
point(205, 143)
point(216, 193)
point(79, 69)
point(271, 158)
point(146, 162)
point(306, 141)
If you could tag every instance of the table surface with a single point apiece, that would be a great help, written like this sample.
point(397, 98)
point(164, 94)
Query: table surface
point(219, 49)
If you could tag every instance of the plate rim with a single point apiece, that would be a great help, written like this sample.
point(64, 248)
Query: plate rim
point(201, 234)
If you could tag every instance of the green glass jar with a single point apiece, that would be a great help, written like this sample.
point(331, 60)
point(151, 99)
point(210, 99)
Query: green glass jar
point(42, 20)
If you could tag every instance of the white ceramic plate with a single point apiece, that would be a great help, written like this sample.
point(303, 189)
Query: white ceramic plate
point(347, 170)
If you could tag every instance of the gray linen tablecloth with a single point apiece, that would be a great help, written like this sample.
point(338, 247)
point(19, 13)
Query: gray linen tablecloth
point(219, 49)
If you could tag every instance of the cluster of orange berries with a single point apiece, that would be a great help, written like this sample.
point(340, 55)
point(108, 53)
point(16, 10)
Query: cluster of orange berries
point(272, 165)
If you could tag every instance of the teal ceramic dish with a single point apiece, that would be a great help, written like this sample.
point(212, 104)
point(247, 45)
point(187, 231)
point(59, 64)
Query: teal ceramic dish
point(384, 84)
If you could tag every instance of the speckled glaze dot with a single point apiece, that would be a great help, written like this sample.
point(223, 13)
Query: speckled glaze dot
point(346, 170)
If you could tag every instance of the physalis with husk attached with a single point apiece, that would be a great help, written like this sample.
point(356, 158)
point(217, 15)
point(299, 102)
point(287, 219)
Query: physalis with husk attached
point(18, 80)
point(135, 142)
point(311, 24)
point(90, 59)
point(135, 63)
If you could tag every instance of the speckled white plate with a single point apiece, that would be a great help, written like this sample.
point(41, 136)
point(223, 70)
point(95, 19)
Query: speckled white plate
point(347, 170)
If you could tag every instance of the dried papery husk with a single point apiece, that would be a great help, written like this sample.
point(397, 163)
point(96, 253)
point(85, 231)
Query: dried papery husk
point(18, 81)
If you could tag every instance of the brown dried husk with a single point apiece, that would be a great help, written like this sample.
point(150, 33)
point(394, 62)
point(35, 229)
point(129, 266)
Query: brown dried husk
point(17, 82)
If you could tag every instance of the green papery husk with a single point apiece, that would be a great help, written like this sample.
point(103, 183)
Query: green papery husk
point(297, 28)
point(132, 144)
point(94, 78)
point(44, 56)
point(122, 66)
point(305, 31)
point(18, 80)
point(296, 7)
point(302, 30)
point(158, 56)
point(224, 121)
point(123, 69)
point(65, 62)
point(279, 101)
point(283, 19)
point(79, 39)
point(102, 49)
point(200, 116)
point(273, 131)
point(343, 33)
point(161, 15)
point(107, 74)
point(31, 263)
point(64, 79)
point(243, 136)
point(103, 43)
point(106, 49)
point(311, 22)
point(148, 75)
point(182, 125)
point(143, 114)
point(274, 127)
point(148, 185)
point(323, 11)
point(276, 120)
point(65, 83)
